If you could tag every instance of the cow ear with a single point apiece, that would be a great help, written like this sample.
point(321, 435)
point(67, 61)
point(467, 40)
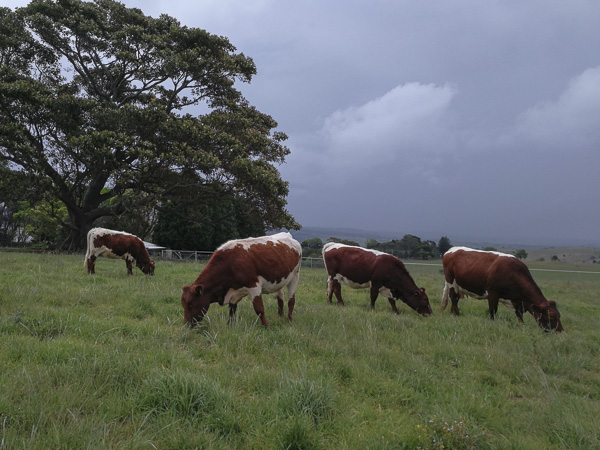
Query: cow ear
point(423, 290)
point(198, 290)
point(540, 308)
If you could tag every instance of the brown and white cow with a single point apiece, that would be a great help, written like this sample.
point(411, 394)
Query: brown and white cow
point(253, 267)
point(117, 245)
point(497, 277)
point(364, 268)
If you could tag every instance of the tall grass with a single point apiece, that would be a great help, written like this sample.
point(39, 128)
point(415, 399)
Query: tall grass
point(105, 361)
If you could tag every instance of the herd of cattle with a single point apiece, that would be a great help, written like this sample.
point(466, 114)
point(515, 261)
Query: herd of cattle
point(269, 264)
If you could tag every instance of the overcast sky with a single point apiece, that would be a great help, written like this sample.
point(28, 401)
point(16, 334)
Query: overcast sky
point(467, 118)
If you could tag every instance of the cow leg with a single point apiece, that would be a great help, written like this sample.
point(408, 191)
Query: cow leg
point(91, 265)
point(393, 304)
point(519, 309)
point(445, 296)
point(334, 286)
point(291, 292)
point(232, 311)
point(280, 296)
point(259, 308)
point(329, 289)
point(454, 297)
point(374, 293)
point(493, 304)
point(291, 304)
point(129, 267)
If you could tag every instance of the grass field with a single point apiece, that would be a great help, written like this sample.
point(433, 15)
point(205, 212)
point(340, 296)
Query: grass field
point(104, 361)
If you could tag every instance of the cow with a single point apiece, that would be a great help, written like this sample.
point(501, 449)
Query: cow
point(362, 268)
point(252, 266)
point(497, 277)
point(117, 245)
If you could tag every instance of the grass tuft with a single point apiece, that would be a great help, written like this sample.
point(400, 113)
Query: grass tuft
point(308, 397)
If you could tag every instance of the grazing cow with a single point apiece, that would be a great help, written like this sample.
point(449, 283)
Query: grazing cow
point(117, 245)
point(363, 268)
point(253, 267)
point(496, 277)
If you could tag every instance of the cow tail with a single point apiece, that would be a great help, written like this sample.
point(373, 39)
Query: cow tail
point(88, 251)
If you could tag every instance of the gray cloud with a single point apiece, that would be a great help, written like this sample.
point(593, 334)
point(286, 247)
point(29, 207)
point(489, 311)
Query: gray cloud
point(461, 117)
point(571, 123)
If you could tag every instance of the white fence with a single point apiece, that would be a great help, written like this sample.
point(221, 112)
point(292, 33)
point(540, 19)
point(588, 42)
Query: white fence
point(185, 255)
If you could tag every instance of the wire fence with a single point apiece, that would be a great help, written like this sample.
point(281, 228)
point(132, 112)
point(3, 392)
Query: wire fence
point(421, 268)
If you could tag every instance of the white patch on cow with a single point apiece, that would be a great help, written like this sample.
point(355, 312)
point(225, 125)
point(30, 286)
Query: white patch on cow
point(464, 292)
point(263, 286)
point(279, 238)
point(386, 292)
point(104, 231)
point(233, 296)
point(467, 249)
point(335, 245)
point(107, 253)
point(353, 284)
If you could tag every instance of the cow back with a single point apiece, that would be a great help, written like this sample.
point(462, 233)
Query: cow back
point(239, 263)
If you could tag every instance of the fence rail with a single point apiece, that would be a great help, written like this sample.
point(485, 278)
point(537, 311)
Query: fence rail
point(202, 256)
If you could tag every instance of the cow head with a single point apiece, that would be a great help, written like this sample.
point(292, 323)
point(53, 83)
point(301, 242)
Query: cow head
point(147, 268)
point(547, 316)
point(417, 300)
point(195, 303)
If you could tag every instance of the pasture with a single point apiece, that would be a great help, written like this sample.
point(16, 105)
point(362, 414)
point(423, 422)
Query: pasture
point(105, 361)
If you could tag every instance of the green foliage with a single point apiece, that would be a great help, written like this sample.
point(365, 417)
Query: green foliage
point(409, 246)
point(314, 243)
point(371, 243)
point(228, 218)
point(14, 186)
point(42, 222)
point(521, 254)
point(105, 361)
point(95, 105)
point(444, 245)
point(312, 248)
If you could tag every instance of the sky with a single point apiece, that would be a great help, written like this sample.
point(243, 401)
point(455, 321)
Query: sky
point(476, 120)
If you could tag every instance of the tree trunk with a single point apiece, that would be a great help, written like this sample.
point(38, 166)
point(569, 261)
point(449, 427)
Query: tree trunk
point(80, 225)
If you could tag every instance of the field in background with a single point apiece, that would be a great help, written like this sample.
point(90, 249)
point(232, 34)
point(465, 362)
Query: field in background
point(569, 255)
point(104, 361)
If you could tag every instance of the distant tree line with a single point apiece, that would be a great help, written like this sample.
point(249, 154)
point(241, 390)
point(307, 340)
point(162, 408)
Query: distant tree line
point(409, 247)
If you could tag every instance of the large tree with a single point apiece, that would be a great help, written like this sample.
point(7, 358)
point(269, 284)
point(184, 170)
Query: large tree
point(110, 110)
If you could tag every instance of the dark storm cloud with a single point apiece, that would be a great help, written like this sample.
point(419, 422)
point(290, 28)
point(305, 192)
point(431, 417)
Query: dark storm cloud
point(460, 117)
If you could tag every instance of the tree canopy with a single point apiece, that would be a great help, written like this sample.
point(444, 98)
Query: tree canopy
point(410, 246)
point(521, 254)
point(100, 107)
point(444, 244)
